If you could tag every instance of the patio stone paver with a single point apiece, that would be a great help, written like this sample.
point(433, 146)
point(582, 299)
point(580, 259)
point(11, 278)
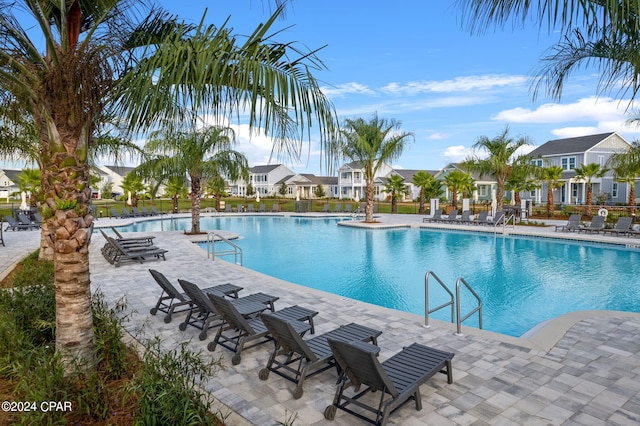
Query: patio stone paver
point(583, 369)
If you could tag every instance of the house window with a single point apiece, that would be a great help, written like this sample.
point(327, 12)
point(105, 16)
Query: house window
point(289, 190)
point(356, 175)
point(574, 190)
point(537, 162)
point(568, 163)
point(532, 194)
point(345, 175)
point(482, 189)
point(614, 190)
point(345, 191)
point(601, 160)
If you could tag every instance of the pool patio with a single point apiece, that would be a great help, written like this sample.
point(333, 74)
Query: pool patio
point(579, 369)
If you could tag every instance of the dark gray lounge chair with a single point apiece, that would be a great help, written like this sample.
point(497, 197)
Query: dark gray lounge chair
point(306, 358)
point(116, 253)
point(125, 213)
point(251, 208)
point(399, 377)
point(482, 218)
point(154, 211)
point(262, 208)
point(337, 208)
point(348, 208)
point(464, 219)
point(452, 217)
point(595, 226)
point(326, 208)
point(245, 330)
point(275, 208)
point(572, 225)
point(23, 219)
point(498, 219)
point(14, 225)
point(204, 315)
point(622, 227)
point(437, 215)
point(148, 240)
point(170, 299)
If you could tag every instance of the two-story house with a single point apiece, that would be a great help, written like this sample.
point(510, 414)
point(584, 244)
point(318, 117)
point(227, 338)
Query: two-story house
point(9, 183)
point(353, 186)
point(265, 180)
point(570, 153)
point(484, 185)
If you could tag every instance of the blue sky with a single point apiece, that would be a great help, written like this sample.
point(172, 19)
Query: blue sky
point(415, 62)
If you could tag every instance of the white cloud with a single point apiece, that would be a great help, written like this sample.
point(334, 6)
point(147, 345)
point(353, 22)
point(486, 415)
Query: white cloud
point(459, 84)
point(456, 153)
point(351, 88)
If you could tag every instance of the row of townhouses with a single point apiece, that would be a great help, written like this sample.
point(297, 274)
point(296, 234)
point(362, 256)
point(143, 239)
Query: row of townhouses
point(349, 184)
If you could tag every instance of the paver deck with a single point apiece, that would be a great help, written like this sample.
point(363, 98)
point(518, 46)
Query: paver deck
point(580, 369)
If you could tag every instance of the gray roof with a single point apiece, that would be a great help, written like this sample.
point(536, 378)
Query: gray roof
point(264, 169)
point(569, 145)
point(284, 179)
point(408, 174)
point(120, 170)
point(12, 174)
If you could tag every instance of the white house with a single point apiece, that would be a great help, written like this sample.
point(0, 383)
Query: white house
point(9, 183)
point(114, 175)
point(352, 184)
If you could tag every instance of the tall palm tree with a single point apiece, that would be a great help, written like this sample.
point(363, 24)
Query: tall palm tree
point(589, 172)
point(372, 144)
point(458, 182)
point(551, 176)
point(176, 187)
point(626, 168)
point(133, 184)
point(200, 154)
point(423, 180)
point(498, 164)
point(396, 187)
point(521, 177)
point(217, 186)
point(151, 72)
point(29, 180)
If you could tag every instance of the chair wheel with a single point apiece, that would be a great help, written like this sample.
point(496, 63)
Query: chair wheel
point(153, 311)
point(297, 392)
point(211, 346)
point(182, 326)
point(264, 374)
point(202, 335)
point(167, 319)
point(235, 360)
point(330, 412)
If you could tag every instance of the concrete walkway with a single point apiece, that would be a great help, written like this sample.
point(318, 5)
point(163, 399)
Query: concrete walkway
point(580, 369)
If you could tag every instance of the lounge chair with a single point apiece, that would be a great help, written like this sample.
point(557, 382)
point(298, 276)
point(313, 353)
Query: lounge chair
point(145, 212)
point(498, 219)
point(171, 298)
point(116, 253)
point(262, 208)
point(24, 220)
point(1, 237)
point(143, 240)
point(622, 227)
point(115, 213)
point(135, 212)
point(275, 208)
point(245, 330)
point(399, 377)
point(348, 208)
point(482, 218)
point(125, 213)
point(154, 211)
point(464, 218)
point(203, 313)
point(326, 209)
point(251, 208)
point(306, 358)
point(437, 215)
point(337, 208)
point(227, 208)
point(14, 225)
point(453, 215)
point(595, 226)
point(37, 219)
point(572, 225)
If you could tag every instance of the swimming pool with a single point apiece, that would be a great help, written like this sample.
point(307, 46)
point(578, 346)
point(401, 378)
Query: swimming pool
point(522, 281)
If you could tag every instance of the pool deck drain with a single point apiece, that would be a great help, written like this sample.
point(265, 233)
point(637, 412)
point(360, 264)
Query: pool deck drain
point(579, 369)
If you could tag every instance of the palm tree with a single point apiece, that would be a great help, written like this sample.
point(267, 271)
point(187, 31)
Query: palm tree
point(200, 154)
point(424, 180)
point(67, 88)
point(29, 180)
point(521, 177)
point(176, 187)
point(372, 144)
point(458, 182)
point(396, 187)
point(217, 186)
point(498, 163)
point(609, 40)
point(551, 175)
point(588, 172)
point(626, 168)
point(133, 184)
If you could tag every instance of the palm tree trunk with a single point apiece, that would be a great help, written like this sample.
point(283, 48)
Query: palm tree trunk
point(550, 206)
point(587, 210)
point(68, 231)
point(499, 195)
point(421, 205)
point(195, 205)
point(394, 202)
point(369, 210)
point(632, 198)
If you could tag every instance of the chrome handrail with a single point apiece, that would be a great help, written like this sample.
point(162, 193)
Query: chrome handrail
point(478, 308)
point(426, 298)
point(211, 253)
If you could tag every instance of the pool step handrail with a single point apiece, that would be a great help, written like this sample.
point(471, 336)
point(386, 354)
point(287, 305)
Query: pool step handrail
point(478, 308)
point(428, 311)
point(504, 221)
point(453, 300)
point(235, 250)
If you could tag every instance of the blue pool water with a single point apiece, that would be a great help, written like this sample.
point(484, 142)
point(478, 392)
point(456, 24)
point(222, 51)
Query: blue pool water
point(522, 281)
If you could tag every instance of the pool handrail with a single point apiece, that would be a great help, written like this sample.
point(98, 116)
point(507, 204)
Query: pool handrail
point(427, 311)
point(235, 250)
point(478, 308)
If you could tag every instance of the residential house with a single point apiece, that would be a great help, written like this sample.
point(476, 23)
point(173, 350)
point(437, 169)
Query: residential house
point(304, 185)
point(114, 175)
point(352, 184)
point(413, 192)
point(265, 180)
point(484, 185)
point(9, 183)
point(570, 153)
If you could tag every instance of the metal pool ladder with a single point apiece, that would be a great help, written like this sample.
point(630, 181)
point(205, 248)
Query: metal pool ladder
point(453, 299)
point(234, 249)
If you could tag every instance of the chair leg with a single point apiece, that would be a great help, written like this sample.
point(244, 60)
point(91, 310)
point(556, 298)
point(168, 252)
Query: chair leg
point(418, 399)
